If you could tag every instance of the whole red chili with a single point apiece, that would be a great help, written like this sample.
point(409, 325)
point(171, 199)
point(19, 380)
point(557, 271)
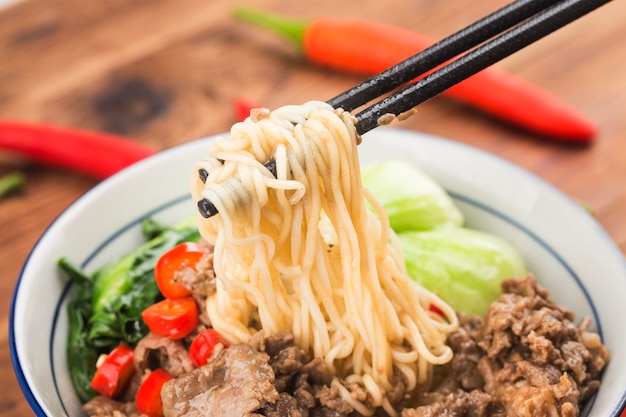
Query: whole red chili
point(96, 154)
point(367, 48)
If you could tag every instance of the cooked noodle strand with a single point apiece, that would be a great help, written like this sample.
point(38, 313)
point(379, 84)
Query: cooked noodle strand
point(301, 251)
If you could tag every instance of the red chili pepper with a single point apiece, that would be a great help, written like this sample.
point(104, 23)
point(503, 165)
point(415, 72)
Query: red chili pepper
point(203, 345)
point(114, 373)
point(96, 154)
point(172, 318)
point(242, 108)
point(148, 399)
point(435, 309)
point(367, 48)
point(185, 255)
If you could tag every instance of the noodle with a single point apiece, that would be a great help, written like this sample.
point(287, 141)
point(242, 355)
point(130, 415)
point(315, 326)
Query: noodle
point(301, 251)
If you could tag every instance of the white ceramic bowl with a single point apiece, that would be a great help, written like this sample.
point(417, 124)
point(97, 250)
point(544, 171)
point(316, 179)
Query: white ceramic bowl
point(566, 249)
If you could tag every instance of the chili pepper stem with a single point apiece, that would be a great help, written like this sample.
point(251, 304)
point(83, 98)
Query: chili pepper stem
point(291, 29)
point(11, 183)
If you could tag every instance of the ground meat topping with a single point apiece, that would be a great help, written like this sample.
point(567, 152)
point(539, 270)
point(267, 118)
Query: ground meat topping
point(101, 406)
point(527, 357)
point(460, 403)
point(154, 351)
point(200, 280)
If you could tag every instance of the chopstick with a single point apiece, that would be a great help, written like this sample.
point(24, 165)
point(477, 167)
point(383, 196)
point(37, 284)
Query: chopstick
point(523, 22)
point(438, 53)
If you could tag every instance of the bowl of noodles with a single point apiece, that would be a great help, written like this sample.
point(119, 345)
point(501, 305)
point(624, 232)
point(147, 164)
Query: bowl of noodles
point(325, 302)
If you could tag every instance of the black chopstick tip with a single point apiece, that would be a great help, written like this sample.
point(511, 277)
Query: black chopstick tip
point(206, 208)
point(271, 167)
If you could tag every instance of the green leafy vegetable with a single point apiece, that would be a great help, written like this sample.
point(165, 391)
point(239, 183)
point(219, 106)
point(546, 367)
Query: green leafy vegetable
point(464, 267)
point(413, 200)
point(11, 183)
point(108, 304)
point(81, 355)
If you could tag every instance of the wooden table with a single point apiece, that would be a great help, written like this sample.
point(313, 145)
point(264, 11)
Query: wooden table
point(163, 72)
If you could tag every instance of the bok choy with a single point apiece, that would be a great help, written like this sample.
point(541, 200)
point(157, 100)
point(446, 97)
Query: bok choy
point(412, 200)
point(463, 266)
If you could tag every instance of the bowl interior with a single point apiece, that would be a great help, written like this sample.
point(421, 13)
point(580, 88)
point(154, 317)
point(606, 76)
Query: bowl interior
point(564, 247)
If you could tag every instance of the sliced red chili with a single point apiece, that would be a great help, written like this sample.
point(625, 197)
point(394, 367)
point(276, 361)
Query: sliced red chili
point(148, 400)
point(185, 255)
point(435, 309)
point(172, 318)
point(203, 345)
point(242, 108)
point(114, 372)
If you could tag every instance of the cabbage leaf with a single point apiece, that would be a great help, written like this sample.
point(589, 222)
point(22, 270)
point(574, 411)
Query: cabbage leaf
point(465, 267)
point(412, 200)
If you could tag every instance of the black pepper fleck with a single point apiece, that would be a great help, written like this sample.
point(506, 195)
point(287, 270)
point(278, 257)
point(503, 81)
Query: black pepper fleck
point(271, 166)
point(206, 208)
point(203, 174)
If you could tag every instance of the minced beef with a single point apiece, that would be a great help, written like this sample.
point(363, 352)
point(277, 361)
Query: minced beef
point(246, 380)
point(102, 406)
point(525, 358)
point(154, 351)
point(200, 280)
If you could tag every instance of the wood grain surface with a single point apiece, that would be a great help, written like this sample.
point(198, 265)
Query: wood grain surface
point(163, 72)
